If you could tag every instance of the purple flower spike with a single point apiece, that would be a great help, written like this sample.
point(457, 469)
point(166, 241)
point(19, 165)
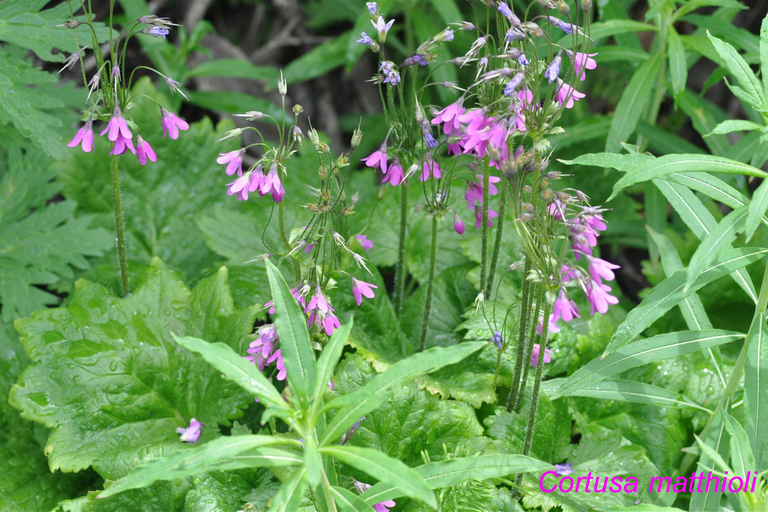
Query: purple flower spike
point(172, 124)
point(192, 433)
point(85, 136)
point(144, 151)
point(362, 289)
point(117, 126)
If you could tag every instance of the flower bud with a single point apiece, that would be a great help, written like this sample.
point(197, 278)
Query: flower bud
point(533, 29)
point(563, 8)
point(547, 195)
point(282, 85)
point(586, 5)
point(357, 136)
point(251, 115)
point(458, 224)
point(297, 134)
point(342, 161)
point(298, 109)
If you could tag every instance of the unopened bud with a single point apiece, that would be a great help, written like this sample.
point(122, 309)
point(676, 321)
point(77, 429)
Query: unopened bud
point(527, 189)
point(322, 172)
point(458, 224)
point(586, 5)
point(282, 85)
point(342, 161)
point(297, 134)
point(298, 109)
point(563, 8)
point(533, 29)
point(251, 115)
point(547, 194)
point(314, 138)
point(231, 134)
point(357, 136)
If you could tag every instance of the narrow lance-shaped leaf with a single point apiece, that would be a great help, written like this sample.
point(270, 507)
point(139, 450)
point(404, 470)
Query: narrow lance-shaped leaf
point(657, 348)
point(669, 293)
point(678, 68)
point(741, 454)
point(201, 459)
point(449, 473)
point(328, 360)
point(736, 125)
point(289, 495)
point(757, 208)
point(298, 356)
point(348, 502)
point(385, 469)
point(764, 53)
point(627, 391)
point(355, 405)
point(720, 238)
point(740, 70)
point(717, 441)
point(235, 368)
point(756, 387)
point(668, 164)
point(632, 102)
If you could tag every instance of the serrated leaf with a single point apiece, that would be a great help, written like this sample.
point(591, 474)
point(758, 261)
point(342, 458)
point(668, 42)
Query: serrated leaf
point(111, 381)
point(718, 239)
point(641, 353)
point(668, 164)
point(670, 292)
point(755, 387)
point(385, 469)
point(224, 452)
point(449, 473)
point(740, 70)
point(632, 102)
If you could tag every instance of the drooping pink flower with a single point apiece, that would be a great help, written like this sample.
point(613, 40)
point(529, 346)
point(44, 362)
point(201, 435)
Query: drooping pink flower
point(234, 161)
point(121, 144)
point(479, 217)
point(239, 187)
point(377, 159)
point(362, 289)
point(598, 296)
point(430, 168)
point(263, 347)
point(384, 506)
point(582, 61)
point(564, 308)
point(599, 268)
point(567, 95)
point(172, 124)
point(394, 174)
point(84, 135)
point(192, 433)
point(273, 185)
point(144, 151)
point(552, 327)
point(117, 126)
point(449, 116)
point(535, 355)
point(364, 242)
point(278, 356)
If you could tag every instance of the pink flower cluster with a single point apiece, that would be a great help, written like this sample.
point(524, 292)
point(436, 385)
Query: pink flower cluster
point(119, 133)
point(393, 171)
point(253, 180)
point(262, 350)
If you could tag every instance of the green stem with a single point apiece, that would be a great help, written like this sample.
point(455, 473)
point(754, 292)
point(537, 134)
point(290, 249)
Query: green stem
point(428, 303)
point(525, 308)
point(497, 245)
point(326, 485)
point(286, 243)
point(533, 324)
point(483, 261)
point(736, 374)
point(536, 385)
point(400, 268)
point(118, 207)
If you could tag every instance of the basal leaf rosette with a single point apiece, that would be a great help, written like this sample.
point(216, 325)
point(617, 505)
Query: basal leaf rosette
point(111, 382)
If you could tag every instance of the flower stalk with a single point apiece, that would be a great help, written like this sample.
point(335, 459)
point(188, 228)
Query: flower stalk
point(400, 268)
point(118, 207)
point(525, 307)
point(428, 303)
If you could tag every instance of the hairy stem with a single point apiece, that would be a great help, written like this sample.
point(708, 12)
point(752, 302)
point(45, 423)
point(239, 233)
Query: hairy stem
point(400, 268)
point(525, 307)
point(286, 243)
point(483, 261)
point(532, 325)
point(428, 303)
point(497, 244)
point(117, 202)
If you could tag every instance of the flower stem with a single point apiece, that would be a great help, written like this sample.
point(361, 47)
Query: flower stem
point(532, 324)
point(400, 268)
point(525, 308)
point(484, 262)
point(118, 207)
point(536, 385)
point(286, 243)
point(497, 244)
point(428, 303)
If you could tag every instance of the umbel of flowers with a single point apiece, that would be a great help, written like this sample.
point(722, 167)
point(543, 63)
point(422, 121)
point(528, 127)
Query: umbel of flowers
point(493, 139)
point(109, 97)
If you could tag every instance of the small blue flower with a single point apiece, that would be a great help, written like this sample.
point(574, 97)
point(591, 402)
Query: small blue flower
point(497, 339)
point(371, 7)
point(393, 78)
point(564, 469)
point(565, 27)
point(513, 84)
point(158, 32)
point(523, 60)
point(554, 69)
point(365, 39)
point(431, 142)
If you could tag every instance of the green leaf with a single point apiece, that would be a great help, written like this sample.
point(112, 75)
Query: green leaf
point(385, 469)
point(111, 381)
point(329, 358)
point(718, 239)
point(235, 68)
point(701, 222)
point(451, 472)
point(39, 244)
point(235, 368)
point(632, 103)
point(621, 163)
point(412, 421)
point(670, 292)
point(626, 391)
point(291, 492)
point(213, 455)
point(717, 443)
point(678, 68)
point(741, 453)
point(722, 27)
point(668, 164)
point(764, 53)
point(740, 70)
point(757, 209)
point(23, 24)
point(755, 390)
point(349, 502)
point(357, 404)
point(643, 352)
point(298, 356)
point(320, 60)
point(736, 125)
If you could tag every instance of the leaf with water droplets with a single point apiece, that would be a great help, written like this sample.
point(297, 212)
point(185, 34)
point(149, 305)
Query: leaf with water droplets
point(111, 382)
